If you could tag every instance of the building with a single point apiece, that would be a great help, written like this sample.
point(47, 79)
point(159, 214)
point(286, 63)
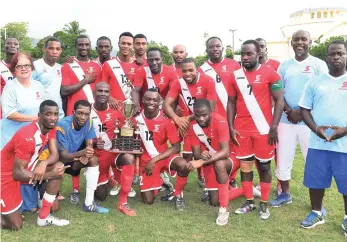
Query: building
point(322, 23)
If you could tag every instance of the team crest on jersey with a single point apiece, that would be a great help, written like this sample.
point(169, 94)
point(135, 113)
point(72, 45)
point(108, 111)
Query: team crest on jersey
point(307, 69)
point(28, 139)
point(90, 68)
point(224, 68)
point(257, 79)
point(199, 91)
point(156, 128)
point(108, 116)
point(38, 95)
point(185, 89)
point(344, 86)
point(58, 73)
point(132, 70)
point(44, 70)
point(162, 81)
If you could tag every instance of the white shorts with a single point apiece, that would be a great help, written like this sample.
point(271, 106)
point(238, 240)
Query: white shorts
point(288, 137)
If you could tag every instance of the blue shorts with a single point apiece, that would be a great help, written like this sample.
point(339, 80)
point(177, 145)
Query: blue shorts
point(29, 196)
point(322, 165)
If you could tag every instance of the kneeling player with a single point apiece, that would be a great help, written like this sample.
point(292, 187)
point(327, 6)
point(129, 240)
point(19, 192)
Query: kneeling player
point(104, 125)
point(155, 131)
point(19, 163)
point(73, 132)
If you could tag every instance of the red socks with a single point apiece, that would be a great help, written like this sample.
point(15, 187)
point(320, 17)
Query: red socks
point(248, 189)
point(265, 191)
point(235, 193)
point(223, 195)
point(47, 202)
point(126, 180)
point(180, 184)
point(76, 183)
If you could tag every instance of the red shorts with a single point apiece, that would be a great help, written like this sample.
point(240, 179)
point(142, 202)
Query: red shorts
point(187, 145)
point(154, 182)
point(10, 199)
point(255, 145)
point(211, 183)
point(106, 160)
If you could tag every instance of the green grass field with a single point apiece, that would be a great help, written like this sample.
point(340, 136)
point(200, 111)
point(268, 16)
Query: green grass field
point(160, 221)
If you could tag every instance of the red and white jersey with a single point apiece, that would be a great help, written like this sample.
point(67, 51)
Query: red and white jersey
point(104, 123)
point(5, 74)
point(27, 145)
point(209, 138)
point(203, 88)
point(254, 105)
point(97, 61)
point(220, 73)
point(145, 63)
point(145, 79)
point(73, 73)
point(178, 70)
point(273, 63)
point(117, 73)
point(155, 134)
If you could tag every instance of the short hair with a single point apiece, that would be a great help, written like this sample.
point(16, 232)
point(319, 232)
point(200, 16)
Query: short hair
point(49, 103)
point(11, 38)
point(202, 102)
point(260, 39)
point(213, 37)
point(15, 59)
point(140, 36)
point(83, 103)
point(188, 60)
point(338, 42)
point(254, 42)
point(155, 49)
point(153, 89)
point(128, 34)
point(81, 36)
point(53, 39)
point(103, 38)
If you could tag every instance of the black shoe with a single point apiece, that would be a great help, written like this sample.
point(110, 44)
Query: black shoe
point(168, 197)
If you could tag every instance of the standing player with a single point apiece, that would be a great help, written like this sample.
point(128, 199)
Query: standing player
point(104, 48)
point(295, 74)
point(140, 48)
point(20, 163)
point(75, 136)
point(104, 125)
point(263, 59)
point(220, 69)
point(156, 131)
point(11, 47)
point(321, 107)
point(253, 127)
point(179, 53)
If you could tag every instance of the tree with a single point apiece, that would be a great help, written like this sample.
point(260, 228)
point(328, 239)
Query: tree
point(18, 30)
point(73, 28)
point(320, 50)
point(167, 58)
point(201, 59)
point(229, 52)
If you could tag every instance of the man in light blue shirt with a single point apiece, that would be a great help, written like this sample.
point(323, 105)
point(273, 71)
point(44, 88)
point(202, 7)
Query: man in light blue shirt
point(295, 74)
point(323, 106)
point(48, 71)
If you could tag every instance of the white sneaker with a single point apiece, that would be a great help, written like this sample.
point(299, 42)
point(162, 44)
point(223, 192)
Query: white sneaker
point(132, 193)
point(51, 220)
point(223, 217)
point(256, 191)
point(115, 190)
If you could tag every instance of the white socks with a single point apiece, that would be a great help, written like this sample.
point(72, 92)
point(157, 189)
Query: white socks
point(317, 212)
point(49, 198)
point(92, 177)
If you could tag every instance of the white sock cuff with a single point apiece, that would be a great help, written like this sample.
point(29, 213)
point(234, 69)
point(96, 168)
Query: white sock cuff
point(48, 197)
point(92, 168)
point(317, 212)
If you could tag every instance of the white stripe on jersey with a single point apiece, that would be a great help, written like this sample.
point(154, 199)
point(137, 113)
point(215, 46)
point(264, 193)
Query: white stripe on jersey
point(186, 93)
point(38, 146)
point(5, 72)
point(199, 132)
point(251, 102)
point(118, 72)
point(96, 125)
point(149, 78)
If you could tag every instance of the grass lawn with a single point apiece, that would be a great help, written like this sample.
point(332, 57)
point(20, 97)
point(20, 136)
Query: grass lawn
point(160, 222)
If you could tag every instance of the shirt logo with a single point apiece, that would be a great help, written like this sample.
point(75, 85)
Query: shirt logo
point(344, 86)
point(132, 70)
point(38, 95)
point(28, 139)
point(108, 117)
point(116, 67)
point(156, 128)
point(224, 68)
point(44, 70)
point(307, 69)
point(199, 90)
point(257, 79)
point(185, 89)
point(161, 81)
point(58, 73)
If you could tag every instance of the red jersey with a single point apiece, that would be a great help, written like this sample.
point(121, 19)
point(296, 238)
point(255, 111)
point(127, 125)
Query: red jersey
point(97, 61)
point(273, 63)
point(210, 137)
point(104, 123)
point(221, 73)
point(70, 78)
point(203, 88)
point(117, 73)
point(145, 79)
point(144, 62)
point(27, 144)
point(5, 74)
point(254, 105)
point(155, 134)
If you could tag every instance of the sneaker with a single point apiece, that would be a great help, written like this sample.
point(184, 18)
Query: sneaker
point(312, 220)
point(168, 197)
point(204, 196)
point(344, 226)
point(179, 203)
point(132, 193)
point(136, 180)
point(94, 208)
point(223, 217)
point(233, 184)
point(201, 182)
point(115, 190)
point(124, 208)
point(264, 212)
point(324, 212)
point(51, 220)
point(246, 207)
point(256, 192)
point(75, 197)
point(166, 187)
point(282, 199)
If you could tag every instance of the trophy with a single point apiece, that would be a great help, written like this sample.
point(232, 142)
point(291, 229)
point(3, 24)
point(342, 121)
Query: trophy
point(127, 138)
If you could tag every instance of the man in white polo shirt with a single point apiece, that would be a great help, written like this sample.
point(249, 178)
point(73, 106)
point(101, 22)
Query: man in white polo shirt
point(48, 71)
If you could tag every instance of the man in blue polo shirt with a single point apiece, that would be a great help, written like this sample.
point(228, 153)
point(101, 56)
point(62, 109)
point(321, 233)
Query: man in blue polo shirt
point(323, 106)
point(75, 136)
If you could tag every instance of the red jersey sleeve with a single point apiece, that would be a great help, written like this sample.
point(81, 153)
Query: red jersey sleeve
point(65, 71)
point(211, 90)
point(236, 65)
point(173, 76)
point(105, 76)
point(273, 76)
point(139, 77)
point(172, 132)
point(23, 148)
point(52, 134)
point(222, 130)
point(231, 90)
point(175, 89)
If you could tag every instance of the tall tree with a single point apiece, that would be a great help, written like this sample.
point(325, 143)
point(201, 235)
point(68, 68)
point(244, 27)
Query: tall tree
point(18, 30)
point(74, 28)
point(166, 53)
point(320, 50)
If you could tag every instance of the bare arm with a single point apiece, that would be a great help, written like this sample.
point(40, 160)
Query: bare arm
point(196, 152)
point(231, 111)
point(223, 154)
point(71, 89)
point(66, 157)
point(53, 151)
point(308, 119)
point(279, 105)
point(18, 117)
point(135, 95)
point(175, 148)
point(168, 107)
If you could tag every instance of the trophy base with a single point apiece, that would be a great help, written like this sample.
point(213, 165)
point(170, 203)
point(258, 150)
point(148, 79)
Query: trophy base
point(133, 152)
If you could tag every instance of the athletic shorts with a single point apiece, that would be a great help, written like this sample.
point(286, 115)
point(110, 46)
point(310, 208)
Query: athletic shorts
point(211, 183)
point(71, 171)
point(11, 199)
point(29, 196)
point(154, 182)
point(322, 165)
point(106, 160)
point(187, 145)
point(255, 145)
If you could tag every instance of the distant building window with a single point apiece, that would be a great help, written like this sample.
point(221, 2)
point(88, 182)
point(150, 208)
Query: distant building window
point(319, 15)
point(325, 14)
point(312, 15)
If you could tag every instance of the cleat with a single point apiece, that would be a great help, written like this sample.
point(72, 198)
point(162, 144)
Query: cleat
point(168, 197)
point(166, 187)
point(96, 208)
point(312, 220)
point(132, 193)
point(51, 220)
point(201, 182)
point(282, 199)
point(264, 212)
point(344, 226)
point(256, 192)
point(115, 190)
point(246, 207)
point(179, 203)
point(125, 209)
point(75, 197)
point(205, 196)
point(223, 217)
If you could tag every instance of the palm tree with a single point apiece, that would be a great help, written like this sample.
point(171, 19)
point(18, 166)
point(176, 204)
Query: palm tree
point(73, 28)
